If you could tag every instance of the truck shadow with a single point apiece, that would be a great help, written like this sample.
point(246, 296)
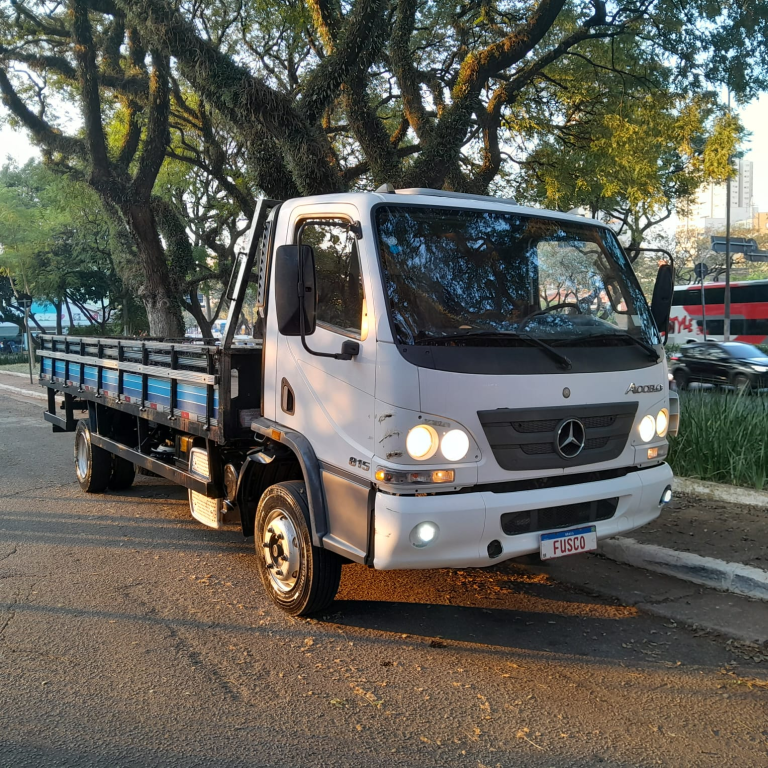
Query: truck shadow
point(507, 606)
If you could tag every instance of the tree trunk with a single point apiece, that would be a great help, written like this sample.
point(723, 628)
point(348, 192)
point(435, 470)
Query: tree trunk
point(126, 316)
point(159, 296)
point(69, 312)
point(196, 310)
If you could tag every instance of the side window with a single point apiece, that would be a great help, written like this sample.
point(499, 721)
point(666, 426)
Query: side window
point(340, 298)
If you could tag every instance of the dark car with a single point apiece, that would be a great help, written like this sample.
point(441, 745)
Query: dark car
point(732, 364)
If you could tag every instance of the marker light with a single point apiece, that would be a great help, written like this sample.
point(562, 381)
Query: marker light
point(647, 428)
point(422, 442)
point(662, 422)
point(399, 477)
point(424, 534)
point(455, 445)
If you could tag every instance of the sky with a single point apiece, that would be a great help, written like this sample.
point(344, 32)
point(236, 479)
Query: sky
point(754, 116)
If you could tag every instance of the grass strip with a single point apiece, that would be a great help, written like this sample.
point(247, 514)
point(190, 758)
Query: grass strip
point(723, 439)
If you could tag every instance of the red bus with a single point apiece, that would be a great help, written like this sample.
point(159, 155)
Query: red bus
point(749, 312)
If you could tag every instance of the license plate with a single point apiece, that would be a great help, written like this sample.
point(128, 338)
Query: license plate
point(570, 542)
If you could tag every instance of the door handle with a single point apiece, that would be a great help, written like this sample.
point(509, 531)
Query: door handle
point(287, 398)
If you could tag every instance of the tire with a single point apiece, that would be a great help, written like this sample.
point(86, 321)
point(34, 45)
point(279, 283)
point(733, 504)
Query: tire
point(301, 579)
point(681, 380)
point(742, 384)
point(123, 474)
point(93, 465)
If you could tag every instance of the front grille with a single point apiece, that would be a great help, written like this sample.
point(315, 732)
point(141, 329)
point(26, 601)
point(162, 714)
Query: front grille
point(532, 449)
point(536, 426)
point(549, 518)
point(524, 438)
point(599, 421)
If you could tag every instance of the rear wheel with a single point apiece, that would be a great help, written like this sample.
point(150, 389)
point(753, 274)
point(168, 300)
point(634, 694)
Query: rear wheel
point(300, 578)
point(123, 474)
point(681, 380)
point(93, 465)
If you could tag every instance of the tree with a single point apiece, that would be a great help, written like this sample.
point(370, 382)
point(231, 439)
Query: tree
point(121, 165)
point(626, 142)
point(321, 96)
point(57, 245)
point(413, 93)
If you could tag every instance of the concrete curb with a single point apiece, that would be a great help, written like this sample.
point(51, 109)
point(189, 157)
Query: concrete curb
point(24, 392)
point(707, 571)
point(14, 373)
point(733, 494)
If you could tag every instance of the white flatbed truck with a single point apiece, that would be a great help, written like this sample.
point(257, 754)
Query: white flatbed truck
point(434, 380)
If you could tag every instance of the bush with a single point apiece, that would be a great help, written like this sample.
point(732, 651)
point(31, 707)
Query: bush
point(723, 438)
point(21, 357)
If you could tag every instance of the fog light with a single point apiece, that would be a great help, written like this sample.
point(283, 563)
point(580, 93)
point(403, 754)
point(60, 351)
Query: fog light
point(424, 534)
point(666, 497)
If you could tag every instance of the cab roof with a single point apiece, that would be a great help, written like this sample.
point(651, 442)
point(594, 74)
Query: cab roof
point(433, 197)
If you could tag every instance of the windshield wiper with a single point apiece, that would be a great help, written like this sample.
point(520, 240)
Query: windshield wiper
point(618, 334)
point(561, 360)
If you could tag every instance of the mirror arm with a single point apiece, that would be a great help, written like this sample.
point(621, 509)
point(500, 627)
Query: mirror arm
point(349, 349)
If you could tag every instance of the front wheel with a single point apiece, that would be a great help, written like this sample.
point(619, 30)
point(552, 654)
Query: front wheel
point(300, 578)
point(681, 380)
point(742, 383)
point(93, 465)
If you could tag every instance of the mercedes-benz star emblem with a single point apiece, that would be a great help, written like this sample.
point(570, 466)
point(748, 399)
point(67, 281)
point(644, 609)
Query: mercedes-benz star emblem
point(570, 438)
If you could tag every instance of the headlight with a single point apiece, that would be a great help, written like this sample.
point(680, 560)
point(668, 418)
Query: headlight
point(760, 368)
point(662, 422)
point(422, 442)
point(455, 445)
point(647, 428)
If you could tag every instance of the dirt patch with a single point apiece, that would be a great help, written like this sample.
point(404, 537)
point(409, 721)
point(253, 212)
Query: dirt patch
point(735, 533)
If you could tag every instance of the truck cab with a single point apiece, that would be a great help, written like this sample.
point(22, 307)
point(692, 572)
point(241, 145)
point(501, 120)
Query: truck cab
point(445, 380)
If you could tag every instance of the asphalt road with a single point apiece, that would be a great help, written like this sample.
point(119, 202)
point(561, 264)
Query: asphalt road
point(130, 635)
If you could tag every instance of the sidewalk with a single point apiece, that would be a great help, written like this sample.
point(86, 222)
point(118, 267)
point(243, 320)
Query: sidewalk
point(18, 384)
point(706, 541)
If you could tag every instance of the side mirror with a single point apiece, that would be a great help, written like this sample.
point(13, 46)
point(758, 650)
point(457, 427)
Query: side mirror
point(661, 302)
point(295, 289)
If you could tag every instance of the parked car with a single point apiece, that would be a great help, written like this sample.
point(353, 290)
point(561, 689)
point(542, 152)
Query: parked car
point(734, 364)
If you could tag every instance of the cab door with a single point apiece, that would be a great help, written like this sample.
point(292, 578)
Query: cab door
point(329, 401)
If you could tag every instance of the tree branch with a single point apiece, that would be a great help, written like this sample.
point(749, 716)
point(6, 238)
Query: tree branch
point(360, 42)
point(51, 138)
point(158, 136)
point(85, 56)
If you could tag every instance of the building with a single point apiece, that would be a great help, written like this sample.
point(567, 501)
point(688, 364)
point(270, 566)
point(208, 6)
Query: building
point(708, 212)
point(760, 221)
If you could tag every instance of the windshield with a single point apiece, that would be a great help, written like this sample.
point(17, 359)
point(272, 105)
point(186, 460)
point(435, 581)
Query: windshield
point(745, 351)
point(486, 275)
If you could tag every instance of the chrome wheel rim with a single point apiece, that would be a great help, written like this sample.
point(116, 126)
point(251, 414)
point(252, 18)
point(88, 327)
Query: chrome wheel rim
point(280, 545)
point(81, 456)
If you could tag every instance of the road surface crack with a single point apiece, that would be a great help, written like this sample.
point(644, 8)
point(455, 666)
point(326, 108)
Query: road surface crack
point(12, 552)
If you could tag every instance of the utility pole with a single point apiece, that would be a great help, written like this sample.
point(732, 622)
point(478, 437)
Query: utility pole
point(27, 303)
point(727, 297)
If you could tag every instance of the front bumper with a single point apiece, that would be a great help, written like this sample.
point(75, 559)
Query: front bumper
point(469, 522)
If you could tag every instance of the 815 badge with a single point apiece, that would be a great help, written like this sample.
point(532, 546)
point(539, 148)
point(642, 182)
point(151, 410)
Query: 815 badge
point(359, 463)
